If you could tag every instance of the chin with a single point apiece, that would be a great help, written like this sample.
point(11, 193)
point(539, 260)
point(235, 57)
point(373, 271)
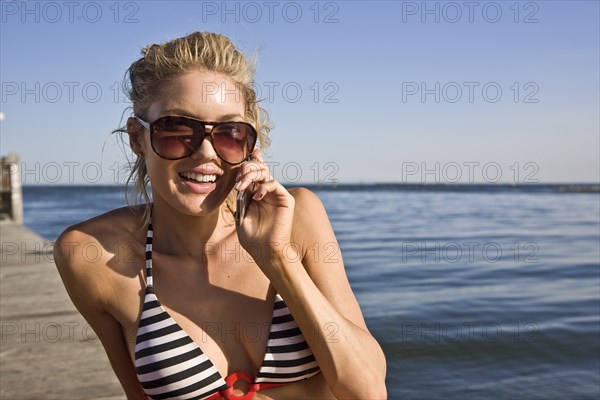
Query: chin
point(200, 204)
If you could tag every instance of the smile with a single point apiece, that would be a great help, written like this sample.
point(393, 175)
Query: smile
point(200, 178)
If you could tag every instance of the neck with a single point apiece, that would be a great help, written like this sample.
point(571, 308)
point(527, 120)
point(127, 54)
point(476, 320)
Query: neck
point(177, 233)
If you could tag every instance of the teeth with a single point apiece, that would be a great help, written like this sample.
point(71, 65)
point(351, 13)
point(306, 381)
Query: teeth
point(199, 177)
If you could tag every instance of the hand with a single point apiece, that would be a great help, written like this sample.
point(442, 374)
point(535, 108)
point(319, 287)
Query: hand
point(267, 227)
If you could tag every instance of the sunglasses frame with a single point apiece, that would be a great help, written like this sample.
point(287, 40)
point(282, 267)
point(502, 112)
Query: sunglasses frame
point(149, 125)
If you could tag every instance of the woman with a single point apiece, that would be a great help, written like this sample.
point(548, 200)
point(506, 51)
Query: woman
point(181, 297)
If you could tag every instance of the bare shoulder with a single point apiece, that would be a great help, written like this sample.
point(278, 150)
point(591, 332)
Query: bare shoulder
point(99, 239)
point(93, 254)
point(321, 254)
point(100, 262)
point(308, 204)
point(310, 217)
point(303, 194)
point(312, 231)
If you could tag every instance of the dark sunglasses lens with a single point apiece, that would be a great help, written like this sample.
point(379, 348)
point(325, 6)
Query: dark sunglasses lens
point(174, 138)
point(234, 141)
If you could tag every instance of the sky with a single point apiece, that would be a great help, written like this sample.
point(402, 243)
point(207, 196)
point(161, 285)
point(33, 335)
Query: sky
point(358, 91)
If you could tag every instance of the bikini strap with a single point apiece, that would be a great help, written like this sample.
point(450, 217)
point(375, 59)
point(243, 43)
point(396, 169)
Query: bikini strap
point(149, 237)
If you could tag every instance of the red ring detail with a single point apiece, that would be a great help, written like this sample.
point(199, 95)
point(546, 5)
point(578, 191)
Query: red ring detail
point(236, 376)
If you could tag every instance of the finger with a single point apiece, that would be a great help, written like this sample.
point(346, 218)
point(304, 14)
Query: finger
point(247, 167)
point(256, 173)
point(265, 188)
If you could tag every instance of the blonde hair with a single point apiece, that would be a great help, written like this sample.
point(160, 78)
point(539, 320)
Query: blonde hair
point(197, 51)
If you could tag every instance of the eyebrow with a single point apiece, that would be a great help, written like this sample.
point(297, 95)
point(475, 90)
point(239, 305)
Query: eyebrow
point(186, 113)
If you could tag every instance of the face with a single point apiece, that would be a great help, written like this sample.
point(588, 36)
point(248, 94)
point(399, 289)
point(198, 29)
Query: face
point(198, 184)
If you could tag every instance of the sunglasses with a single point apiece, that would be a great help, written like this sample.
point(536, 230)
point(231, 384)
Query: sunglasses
point(175, 137)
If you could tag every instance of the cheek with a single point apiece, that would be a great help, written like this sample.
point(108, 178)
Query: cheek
point(158, 169)
point(230, 175)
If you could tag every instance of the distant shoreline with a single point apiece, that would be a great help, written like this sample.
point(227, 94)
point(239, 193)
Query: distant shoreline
point(408, 187)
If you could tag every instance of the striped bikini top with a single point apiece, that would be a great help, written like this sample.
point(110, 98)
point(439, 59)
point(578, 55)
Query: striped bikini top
point(170, 365)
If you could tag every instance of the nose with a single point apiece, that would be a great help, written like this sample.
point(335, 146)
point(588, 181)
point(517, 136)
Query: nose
point(206, 151)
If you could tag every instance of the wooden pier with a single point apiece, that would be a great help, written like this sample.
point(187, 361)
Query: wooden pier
point(11, 194)
point(47, 350)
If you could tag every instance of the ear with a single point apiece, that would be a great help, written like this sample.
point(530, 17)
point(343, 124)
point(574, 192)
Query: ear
point(135, 131)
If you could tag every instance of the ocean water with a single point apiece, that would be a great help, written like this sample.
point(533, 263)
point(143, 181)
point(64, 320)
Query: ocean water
point(471, 293)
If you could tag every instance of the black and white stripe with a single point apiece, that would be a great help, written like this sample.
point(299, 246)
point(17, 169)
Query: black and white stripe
point(288, 357)
point(169, 365)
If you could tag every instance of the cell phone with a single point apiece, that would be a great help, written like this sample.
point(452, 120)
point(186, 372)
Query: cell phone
point(242, 201)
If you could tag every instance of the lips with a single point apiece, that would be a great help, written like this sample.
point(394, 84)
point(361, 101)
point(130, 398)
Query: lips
point(198, 177)
point(201, 179)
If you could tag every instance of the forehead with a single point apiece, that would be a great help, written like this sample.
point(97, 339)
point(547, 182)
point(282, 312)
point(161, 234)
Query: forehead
point(202, 94)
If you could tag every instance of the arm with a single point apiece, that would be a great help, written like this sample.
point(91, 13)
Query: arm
point(277, 232)
point(316, 289)
point(86, 287)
